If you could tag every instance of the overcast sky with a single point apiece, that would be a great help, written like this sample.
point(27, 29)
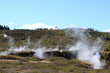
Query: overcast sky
point(30, 14)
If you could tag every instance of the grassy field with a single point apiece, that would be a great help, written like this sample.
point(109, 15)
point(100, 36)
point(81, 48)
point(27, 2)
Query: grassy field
point(49, 65)
point(25, 62)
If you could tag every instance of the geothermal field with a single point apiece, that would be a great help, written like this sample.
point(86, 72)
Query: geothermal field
point(74, 50)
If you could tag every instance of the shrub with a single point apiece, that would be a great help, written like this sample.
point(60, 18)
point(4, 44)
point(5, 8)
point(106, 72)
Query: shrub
point(23, 53)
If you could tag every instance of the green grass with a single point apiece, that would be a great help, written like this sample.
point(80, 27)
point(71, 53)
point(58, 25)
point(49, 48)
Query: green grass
point(12, 57)
point(57, 65)
point(33, 59)
point(48, 38)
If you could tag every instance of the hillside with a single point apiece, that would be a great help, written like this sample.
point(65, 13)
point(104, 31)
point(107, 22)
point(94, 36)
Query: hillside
point(59, 60)
point(49, 38)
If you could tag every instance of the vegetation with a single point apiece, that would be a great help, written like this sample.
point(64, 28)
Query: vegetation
point(60, 62)
point(12, 57)
point(23, 53)
point(4, 27)
point(57, 65)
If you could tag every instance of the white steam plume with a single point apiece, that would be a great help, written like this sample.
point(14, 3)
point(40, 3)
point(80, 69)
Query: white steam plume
point(39, 52)
point(87, 51)
point(13, 48)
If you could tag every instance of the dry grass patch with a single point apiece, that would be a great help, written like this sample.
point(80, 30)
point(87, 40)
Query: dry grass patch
point(12, 57)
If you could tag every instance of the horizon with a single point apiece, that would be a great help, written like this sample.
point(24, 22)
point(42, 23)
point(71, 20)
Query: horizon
point(26, 14)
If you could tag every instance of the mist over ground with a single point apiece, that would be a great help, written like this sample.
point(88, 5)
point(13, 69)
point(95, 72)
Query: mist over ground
point(85, 45)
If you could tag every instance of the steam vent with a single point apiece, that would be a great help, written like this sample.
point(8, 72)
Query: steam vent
point(54, 51)
point(47, 54)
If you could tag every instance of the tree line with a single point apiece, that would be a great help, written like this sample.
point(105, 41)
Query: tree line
point(4, 27)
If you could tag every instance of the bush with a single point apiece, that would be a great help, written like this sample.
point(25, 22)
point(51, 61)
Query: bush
point(23, 53)
point(106, 56)
point(4, 27)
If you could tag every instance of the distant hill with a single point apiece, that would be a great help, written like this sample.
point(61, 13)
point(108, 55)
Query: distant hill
point(50, 38)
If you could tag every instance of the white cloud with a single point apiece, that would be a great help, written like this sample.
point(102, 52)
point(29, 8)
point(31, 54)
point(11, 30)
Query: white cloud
point(11, 23)
point(71, 26)
point(84, 27)
point(37, 25)
point(107, 30)
point(74, 26)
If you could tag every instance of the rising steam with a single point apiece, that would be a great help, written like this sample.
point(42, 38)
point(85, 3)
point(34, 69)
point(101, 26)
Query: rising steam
point(39, 51)
point(87, 51)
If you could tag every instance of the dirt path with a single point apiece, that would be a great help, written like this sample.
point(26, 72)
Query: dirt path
point(44, 61)
point(7, 60)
